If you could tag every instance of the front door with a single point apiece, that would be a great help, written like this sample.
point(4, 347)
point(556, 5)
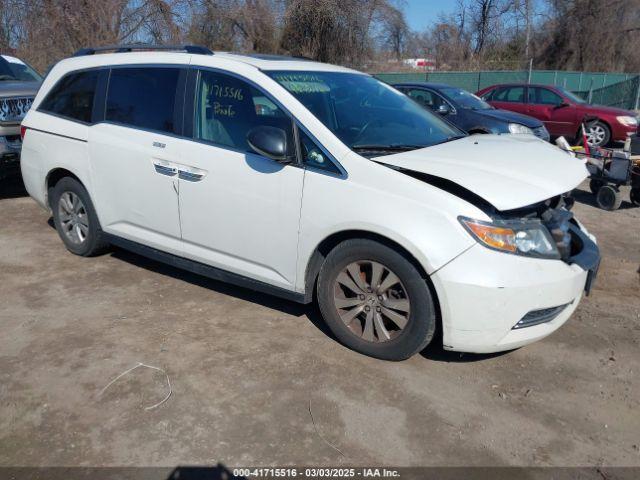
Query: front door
point(133, 156)
point(239, 210)
point(549, 107)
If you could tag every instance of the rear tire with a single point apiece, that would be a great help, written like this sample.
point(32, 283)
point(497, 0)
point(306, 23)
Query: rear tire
point(609, 198)
point(75, 218)
point(375, 301)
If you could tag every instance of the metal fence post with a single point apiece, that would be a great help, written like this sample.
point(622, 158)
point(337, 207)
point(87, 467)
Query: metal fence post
point(637, 93)
point(580, 82)
point(555, 77)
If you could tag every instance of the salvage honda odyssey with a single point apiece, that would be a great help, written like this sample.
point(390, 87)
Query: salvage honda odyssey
point(312, 182)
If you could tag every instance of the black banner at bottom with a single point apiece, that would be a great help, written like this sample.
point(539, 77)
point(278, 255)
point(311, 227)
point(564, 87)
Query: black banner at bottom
point(221, 472)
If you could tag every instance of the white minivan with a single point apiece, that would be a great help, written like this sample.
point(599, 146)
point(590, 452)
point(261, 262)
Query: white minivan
point(312, 182)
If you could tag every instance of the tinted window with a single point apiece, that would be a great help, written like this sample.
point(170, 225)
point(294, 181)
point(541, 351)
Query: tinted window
point(12, 68)
point(509, 94)
point(313, 155)
point(425, 98)
point(544, 96)
point(227, 108)
point(143, 97)
point(464, 99)
point(72, 96)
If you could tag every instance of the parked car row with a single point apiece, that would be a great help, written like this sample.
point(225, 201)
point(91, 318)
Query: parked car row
point(563, 112)
point(471, 113)
point(315, 183)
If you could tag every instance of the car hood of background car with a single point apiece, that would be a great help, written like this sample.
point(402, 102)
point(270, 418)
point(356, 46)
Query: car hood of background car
point(508, 171)
point(10, 88)
point(512, 117)
point(600, 109)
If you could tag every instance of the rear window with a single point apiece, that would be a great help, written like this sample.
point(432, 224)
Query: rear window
point(143, 97)
point(72, 97)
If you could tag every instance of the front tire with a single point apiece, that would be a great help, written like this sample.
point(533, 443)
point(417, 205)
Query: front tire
point(375, 301)
point(634, 196)
point(598, 134)
point(75, 218)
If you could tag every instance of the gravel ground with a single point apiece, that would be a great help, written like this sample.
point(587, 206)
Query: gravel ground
point(259, 381)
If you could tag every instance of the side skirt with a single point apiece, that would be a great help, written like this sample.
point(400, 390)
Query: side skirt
point(205, 270)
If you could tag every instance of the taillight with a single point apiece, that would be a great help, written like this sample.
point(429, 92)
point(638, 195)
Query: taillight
point(23, 131)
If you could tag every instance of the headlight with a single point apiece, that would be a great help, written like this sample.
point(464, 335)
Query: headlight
point(520, 237)
point(628, 121)
point(517, 128)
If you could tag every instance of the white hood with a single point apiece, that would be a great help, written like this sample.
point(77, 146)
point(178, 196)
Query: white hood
point(508, 171)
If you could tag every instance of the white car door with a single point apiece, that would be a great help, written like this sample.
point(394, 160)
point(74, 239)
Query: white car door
point(134, 155)
point(239, 211)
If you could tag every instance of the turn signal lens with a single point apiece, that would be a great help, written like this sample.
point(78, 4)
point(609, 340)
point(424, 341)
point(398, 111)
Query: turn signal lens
point(23, 132)
point(494, 237)
point(522, 237)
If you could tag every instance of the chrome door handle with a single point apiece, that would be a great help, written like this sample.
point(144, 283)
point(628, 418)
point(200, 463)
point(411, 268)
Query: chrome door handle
point(165, 168)
point(191, 174)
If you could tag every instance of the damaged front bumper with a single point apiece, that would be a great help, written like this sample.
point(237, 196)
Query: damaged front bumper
point(491, 301)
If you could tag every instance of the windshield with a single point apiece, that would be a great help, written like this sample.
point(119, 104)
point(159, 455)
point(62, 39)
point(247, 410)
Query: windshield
point(571, 96)
point(369, 116)
point(13, 69)
point(465, 100)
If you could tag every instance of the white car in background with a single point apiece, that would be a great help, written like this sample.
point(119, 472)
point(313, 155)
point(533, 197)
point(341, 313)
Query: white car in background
point(306, 181)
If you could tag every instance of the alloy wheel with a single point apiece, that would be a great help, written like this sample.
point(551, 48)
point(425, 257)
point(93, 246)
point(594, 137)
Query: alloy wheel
point(596, 135)
point(371, 301)
point(73, 217)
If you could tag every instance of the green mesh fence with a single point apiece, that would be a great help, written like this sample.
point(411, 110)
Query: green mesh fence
point(612, 89)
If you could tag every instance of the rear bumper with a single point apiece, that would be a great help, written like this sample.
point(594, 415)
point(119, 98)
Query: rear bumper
point(483, 295)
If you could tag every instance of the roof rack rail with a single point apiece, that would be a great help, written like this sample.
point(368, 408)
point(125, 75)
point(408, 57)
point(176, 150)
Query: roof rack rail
point(143, 47)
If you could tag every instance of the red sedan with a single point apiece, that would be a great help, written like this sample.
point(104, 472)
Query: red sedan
point(562, 112)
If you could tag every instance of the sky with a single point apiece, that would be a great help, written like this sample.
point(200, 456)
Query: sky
point(422, 13)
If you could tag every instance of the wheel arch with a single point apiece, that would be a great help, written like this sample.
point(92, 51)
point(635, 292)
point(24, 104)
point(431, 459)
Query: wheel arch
point(600, 120)
point(329, 243)
point(54, 176)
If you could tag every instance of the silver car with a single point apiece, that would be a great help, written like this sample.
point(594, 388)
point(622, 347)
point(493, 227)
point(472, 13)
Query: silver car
point(19, 84)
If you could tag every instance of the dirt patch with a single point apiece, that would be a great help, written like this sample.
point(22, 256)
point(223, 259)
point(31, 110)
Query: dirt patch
point(244, 368)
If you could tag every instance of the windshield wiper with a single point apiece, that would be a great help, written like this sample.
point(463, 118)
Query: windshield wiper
point(386, 148)
point(450, 139)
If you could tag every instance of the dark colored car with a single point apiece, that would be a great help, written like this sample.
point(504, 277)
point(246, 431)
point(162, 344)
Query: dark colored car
point(19, 84)
point(469, 112)
point(563, 112)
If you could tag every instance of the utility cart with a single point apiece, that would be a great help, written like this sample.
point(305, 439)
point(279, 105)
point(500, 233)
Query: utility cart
point(609, 170)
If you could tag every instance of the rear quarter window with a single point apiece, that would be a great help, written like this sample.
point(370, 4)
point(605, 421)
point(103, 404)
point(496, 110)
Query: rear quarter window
point(72, 97)
point(143, 97)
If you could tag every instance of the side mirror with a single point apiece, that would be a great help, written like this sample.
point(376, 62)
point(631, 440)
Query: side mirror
point(270, 142)
point(443, 109)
